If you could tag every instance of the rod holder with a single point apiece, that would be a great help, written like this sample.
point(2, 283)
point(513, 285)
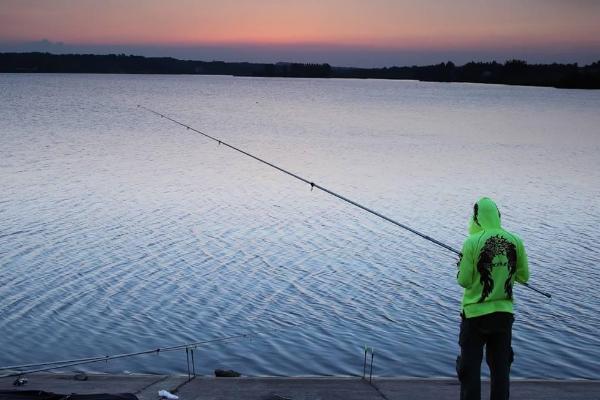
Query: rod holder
point(368, 350)
point(187, 356)
point(193, 364)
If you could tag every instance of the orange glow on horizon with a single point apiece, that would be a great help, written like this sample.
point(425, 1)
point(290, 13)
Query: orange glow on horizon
point(385, 24)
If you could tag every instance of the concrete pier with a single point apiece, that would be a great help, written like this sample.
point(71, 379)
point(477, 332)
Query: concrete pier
point(146, 387)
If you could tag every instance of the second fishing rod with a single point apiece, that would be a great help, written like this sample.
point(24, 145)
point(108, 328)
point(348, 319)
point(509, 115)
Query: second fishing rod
point(314, 185)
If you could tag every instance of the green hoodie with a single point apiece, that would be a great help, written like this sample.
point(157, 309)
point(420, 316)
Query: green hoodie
point(490, 262)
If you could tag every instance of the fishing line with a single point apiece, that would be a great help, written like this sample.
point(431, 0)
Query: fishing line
point(326, 190)
point(52, 365)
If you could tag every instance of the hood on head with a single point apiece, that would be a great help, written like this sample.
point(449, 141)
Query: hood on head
point(485, 216)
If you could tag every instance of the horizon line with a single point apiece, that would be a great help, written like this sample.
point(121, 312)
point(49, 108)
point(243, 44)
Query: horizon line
point(474, 61)
point(357, 56)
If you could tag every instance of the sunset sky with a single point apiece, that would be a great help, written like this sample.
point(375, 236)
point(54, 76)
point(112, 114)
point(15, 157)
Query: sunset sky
point(341, 32)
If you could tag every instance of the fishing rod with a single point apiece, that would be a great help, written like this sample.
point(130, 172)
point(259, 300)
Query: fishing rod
point(324, 189)
point(52, 365)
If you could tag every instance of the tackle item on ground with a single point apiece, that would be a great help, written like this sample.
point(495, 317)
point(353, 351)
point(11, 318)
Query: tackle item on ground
point(165, 394)
point(229, 373)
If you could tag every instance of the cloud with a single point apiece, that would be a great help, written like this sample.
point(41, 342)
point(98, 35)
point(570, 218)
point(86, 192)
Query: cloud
point(43, 45)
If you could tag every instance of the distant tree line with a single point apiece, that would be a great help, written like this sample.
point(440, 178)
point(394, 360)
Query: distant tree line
point(514, 72)
point(125, 64)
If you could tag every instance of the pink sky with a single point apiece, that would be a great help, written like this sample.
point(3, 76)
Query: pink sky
point(556, 28)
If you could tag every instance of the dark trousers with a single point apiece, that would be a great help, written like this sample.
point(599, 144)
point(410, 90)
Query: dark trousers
point(494, 331)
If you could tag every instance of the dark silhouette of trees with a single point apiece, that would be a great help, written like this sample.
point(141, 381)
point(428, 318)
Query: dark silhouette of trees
point(513, 72)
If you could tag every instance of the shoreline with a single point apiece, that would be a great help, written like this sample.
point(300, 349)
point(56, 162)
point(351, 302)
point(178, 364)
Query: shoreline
point(146, 386)
point(511, 72)
point(505, 85)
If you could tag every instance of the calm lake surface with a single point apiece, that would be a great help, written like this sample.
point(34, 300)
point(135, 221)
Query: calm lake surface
point(120, 231)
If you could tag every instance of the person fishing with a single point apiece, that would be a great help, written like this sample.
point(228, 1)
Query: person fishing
point(490, 262)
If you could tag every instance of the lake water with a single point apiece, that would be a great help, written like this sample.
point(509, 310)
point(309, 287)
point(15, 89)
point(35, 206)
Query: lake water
point(120, 231)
